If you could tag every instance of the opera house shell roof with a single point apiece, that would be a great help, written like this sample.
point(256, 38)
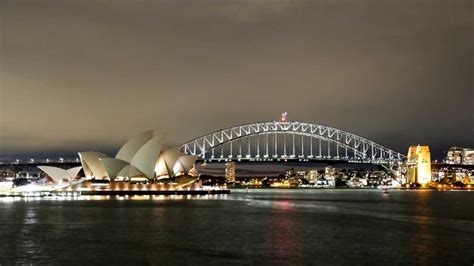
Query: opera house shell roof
point(142, 156)
point(58, 174)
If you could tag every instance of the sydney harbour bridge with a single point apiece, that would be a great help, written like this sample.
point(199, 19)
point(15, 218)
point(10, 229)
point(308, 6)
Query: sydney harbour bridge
point(288, 140)
point(273, 141)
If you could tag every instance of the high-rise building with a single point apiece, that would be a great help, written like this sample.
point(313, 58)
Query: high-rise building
point(458, 155)
point(418, 164)
point(230, 171)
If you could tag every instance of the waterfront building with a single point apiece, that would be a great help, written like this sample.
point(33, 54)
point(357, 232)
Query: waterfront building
point(418, 164)
point(139, 160)
point(230, 172)
point(136, 169)
point(140, 157)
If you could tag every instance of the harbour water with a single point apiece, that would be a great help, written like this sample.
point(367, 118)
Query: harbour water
point(263, 226)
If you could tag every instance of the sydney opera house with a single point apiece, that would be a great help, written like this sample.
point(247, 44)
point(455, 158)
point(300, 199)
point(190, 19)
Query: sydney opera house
point(141, 165)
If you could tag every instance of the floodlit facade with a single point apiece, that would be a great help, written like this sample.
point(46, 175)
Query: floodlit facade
point(419, 164)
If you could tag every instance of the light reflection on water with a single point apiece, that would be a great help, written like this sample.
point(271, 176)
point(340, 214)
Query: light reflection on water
point(258, 227)
point(106, 197)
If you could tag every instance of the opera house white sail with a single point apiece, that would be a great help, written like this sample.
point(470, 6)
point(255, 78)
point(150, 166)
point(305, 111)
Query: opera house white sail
point(129, 149)
point(146, 157)
point(92, 166)
point(59, 174)
point(113, 166)
point(184, 164)
point(139, 157)
point(166, 161)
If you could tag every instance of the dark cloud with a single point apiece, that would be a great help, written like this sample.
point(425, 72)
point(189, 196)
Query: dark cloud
point(80, 75)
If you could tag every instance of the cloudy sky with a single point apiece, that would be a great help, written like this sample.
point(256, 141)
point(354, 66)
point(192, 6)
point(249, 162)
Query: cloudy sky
point(87, 75)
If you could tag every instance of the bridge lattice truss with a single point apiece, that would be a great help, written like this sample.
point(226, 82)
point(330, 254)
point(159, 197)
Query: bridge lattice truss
point(269, 141)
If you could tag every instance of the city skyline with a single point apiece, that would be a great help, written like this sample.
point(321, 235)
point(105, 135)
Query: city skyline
point(87, 76)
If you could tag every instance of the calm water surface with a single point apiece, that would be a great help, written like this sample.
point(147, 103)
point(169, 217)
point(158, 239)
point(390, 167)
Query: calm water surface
point(283, 227)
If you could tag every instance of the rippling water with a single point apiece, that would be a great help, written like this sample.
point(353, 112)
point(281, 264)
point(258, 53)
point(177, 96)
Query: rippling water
point(287, 227)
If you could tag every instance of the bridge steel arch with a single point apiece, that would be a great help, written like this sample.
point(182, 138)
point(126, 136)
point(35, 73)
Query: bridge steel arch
point(275, 140)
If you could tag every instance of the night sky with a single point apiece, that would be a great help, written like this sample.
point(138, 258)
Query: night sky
point(81, 76)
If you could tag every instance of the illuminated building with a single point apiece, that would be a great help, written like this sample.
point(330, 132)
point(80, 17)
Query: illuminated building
point(313, 176)
point(290, 172)
point(458, 155)
point(301, 174)
point(418, 164)
point(140, 157)
point(6, 186)
point(329, 171)
point(137, 164)
point(230, 171)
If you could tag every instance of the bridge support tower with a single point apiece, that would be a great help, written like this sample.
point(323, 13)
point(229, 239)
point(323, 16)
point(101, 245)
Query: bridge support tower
point(418, 165)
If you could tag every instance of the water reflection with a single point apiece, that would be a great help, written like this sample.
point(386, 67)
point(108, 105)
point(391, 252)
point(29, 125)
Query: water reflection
point(300, 227)
point(30, 217)
point(27, 242)
point(423, 239)
point(283, 232)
